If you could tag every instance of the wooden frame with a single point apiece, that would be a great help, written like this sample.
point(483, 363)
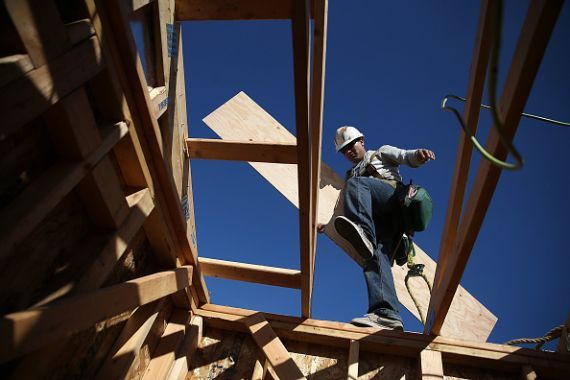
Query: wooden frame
point(260, 274)
point(539, 23)
point(469, 319)
point(70, 79)
point(118, 152)
point(486, 355)
point(26, 330)
point(306, 153)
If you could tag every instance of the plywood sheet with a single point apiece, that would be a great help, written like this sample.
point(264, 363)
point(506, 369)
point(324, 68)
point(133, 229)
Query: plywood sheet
point(242, 119)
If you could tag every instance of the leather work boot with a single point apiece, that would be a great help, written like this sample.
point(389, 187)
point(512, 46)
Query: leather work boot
point(354, 234)
point(374, 320)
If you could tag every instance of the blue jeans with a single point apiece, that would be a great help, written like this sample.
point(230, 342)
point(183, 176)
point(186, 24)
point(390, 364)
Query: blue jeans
point(372, 204)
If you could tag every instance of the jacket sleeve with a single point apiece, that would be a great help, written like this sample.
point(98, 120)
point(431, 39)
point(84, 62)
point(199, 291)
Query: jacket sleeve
point(399, 156)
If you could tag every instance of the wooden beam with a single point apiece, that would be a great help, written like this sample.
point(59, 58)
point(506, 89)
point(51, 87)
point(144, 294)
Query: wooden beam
point(79, 31)
point(301, 64)
point(73, 129)
point(40, 28)
point(185, 353)
point(316, 112)
point(537, 28)
point(477, 74)
point(129, 343)
point(141, 206)
point(339, 334)
point(164, 354)
point(29, 96)
point(250, 151)
point(39, 362)
point(257, 373)
point(469, 319)
point(19, 218)
point(135, 5)
point(272, 348)
point(430, 365)
point(353, 351)
point(27, 330)
point(287, 278)
point(125, 59)
point(269, 372)
point(527, 373)
point(188, 10)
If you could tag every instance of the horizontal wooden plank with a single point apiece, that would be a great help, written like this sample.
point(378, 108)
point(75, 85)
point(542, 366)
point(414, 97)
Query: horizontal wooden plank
point(250, 151)
point(24, 331)
point(188, 10)
point(287, 278)
point(27, 97)
point(393, 342)
point(22, 215)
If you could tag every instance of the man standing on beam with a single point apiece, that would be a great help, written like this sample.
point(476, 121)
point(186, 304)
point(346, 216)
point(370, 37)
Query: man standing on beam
point(375, 219)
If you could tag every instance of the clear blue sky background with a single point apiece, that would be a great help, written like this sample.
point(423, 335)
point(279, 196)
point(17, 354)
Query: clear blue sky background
point(388, 66)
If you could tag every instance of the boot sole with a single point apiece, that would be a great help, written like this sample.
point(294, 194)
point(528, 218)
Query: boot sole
point(348, 231)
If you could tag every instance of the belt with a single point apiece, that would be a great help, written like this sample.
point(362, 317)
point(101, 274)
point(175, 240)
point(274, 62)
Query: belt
point(391, 182)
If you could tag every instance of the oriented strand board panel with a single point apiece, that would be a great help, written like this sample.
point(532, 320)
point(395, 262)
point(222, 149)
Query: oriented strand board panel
point(242, 119)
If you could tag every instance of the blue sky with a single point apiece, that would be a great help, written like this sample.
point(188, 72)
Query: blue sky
point(388, 66)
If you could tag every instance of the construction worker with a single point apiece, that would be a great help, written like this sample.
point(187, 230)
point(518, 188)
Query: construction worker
point(372, 218)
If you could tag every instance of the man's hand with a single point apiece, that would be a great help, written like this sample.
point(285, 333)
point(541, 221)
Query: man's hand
point(321, 228)
point(424, 155)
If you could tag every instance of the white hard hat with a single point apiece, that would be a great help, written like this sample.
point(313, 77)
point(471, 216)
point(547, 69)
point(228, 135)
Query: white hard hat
point(345, 135)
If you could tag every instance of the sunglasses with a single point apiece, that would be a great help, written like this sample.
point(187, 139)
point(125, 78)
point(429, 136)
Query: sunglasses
point(349, 146)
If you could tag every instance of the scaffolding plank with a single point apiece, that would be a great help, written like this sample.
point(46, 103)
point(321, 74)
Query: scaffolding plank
point(272, 348)
point(532, 43)
point(468, 319)
point(259, 274)
point(252, 151)
point(24, 331)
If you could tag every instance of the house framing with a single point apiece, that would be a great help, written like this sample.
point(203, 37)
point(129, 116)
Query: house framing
point(98, 255)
